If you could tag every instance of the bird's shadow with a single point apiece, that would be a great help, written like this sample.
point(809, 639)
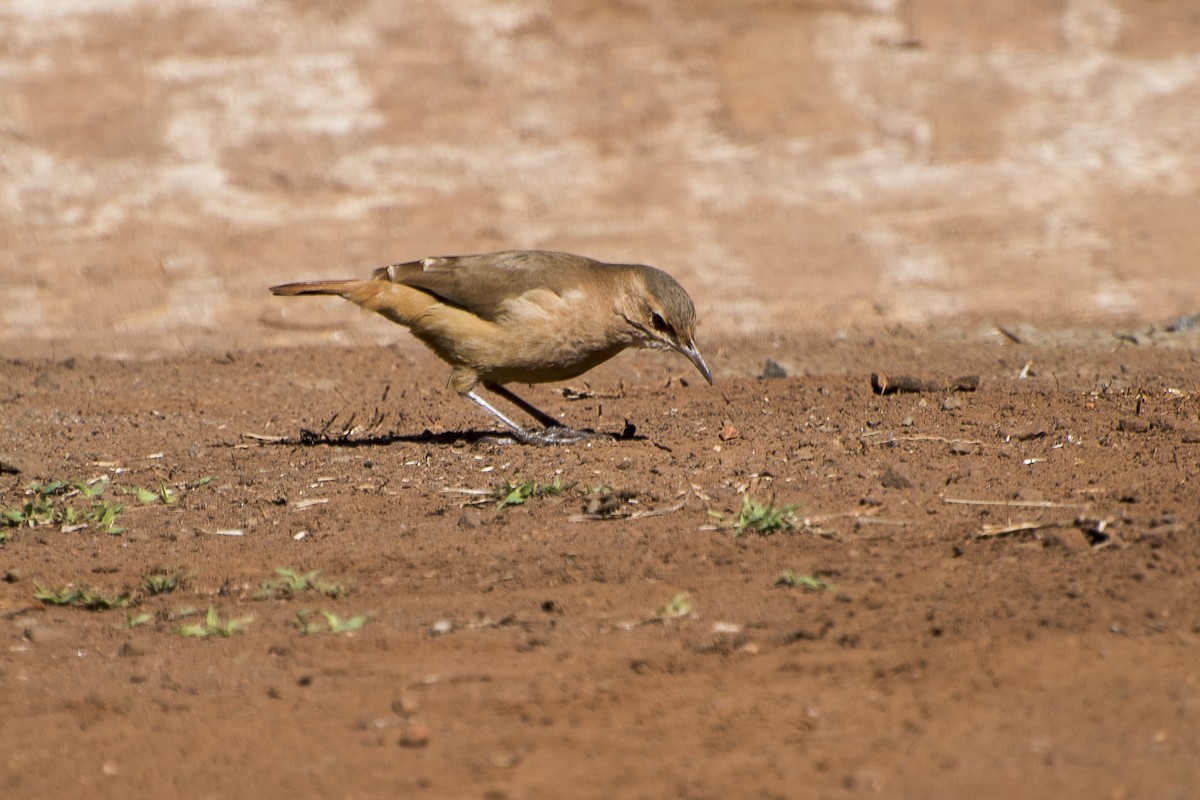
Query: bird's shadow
point(308, 438)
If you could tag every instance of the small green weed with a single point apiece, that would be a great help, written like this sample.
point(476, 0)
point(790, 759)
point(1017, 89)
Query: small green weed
point(290, 583)
point(515, 493)
point(163, 583)
point(213, 626)
point(810, 582)
point(80, 597)
point(761, 518)
point(138, 620)
point(103, 514)
point(679, 606)
point(48, 506)
point(166, 494)
point(332, 623)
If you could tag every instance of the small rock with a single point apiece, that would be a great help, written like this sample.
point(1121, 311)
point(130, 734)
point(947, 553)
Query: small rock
point(895, 478)
point(414, 734)
point(907, 422)
point(504, 760)
point(803, 454)
point(951, 404)
point(1070, 539)
point(406, 705)
point(1022, 434)
point(772, 370)
point(963, 448)
point(727, 433)
point(130, 650)
point(470, 519)
point(441, 627)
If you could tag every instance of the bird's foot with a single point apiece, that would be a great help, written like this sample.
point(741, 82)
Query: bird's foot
point(559, 434)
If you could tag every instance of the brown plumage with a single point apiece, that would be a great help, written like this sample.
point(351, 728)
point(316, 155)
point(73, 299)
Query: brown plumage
point(525, 316)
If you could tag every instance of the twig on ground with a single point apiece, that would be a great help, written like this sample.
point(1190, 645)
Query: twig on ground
point(1012, 503)
point(640, 514)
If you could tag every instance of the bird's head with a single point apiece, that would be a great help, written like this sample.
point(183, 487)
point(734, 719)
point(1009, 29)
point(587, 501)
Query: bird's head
point(661, 316)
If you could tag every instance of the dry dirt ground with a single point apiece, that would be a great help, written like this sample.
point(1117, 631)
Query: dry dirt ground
point(522, 652)
point(997, 589)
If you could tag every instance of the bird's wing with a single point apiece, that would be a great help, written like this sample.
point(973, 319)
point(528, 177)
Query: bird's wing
point(486, 284)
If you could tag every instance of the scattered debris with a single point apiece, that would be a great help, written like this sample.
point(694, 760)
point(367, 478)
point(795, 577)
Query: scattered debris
point(895, 478)
point(866, 519)
point(571, 393)
point(1024, 434)
point(1184, 323)
point(988, 531)
point(1134, 425)
point(884, 384)
point(262, 437)
point(1095, 532)
point(772, 371)
point(328, 434)
point(469, 519)
point(1012, 503)
point(1010, 334)
point(300, 505)
point(615, 505)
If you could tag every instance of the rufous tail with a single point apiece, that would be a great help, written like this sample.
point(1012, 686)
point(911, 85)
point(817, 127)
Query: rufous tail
point(316, 287)
point(395, 301)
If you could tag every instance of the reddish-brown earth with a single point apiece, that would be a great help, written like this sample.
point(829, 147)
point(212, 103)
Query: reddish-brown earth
point(514, 652)
point(925, 188)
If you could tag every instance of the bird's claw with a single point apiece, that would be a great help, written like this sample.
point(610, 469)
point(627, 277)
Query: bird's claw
point(561, 435)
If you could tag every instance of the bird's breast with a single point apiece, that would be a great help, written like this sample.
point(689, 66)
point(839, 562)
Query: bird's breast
point(540, 336)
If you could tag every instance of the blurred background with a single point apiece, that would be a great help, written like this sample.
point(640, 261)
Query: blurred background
point(800, 166)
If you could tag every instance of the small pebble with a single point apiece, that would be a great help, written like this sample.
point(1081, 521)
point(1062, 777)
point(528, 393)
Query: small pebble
point(414, 734)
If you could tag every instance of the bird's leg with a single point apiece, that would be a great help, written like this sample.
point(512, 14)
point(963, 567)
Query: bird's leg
point(529, 408)
point(554, 430)
point(552, 435)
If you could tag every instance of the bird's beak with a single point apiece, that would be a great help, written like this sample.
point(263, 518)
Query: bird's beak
point(693, 355)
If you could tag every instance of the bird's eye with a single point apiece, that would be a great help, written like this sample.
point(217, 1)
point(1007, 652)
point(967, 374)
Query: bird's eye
point(659, 323)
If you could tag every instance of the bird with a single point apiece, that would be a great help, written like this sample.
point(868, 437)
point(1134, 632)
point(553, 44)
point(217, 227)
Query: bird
point(525, 316)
